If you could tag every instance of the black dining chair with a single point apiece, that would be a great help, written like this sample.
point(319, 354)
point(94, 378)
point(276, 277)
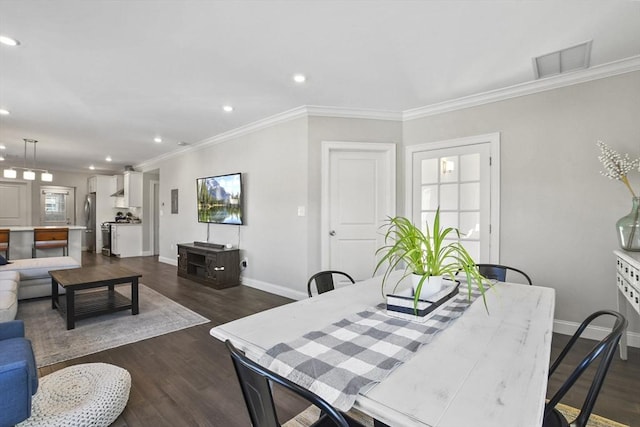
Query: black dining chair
point(255, 382)
point(605, 350)
point(324, 281)
point(499, 272)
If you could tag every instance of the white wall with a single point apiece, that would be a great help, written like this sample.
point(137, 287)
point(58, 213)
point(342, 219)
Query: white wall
point(557, 212)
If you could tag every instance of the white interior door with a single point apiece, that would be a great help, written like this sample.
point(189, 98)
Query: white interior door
point(358, 195)
point(15, 205)
point(456, 176)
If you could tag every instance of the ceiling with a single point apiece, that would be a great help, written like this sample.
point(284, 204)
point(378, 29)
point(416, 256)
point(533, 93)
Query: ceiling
point(100, 78)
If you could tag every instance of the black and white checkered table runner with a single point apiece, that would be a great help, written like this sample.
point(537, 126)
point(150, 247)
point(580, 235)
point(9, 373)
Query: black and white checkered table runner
point(356, 353)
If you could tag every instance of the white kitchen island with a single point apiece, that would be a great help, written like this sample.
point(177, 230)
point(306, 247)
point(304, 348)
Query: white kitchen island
point(21, 242)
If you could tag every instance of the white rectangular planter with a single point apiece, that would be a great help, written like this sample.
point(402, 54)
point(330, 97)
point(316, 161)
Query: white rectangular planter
point(401, 305)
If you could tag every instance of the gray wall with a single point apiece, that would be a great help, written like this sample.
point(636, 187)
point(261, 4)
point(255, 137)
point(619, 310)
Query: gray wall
point(274, 166)
point(147, 210)
point(64, 179)
point(557, 212)
point(344, 130)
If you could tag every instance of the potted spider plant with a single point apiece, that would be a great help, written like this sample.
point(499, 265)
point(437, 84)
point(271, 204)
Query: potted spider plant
point(428, 257)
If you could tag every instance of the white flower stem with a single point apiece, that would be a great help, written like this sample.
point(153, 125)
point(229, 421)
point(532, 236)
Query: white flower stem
point(625, 180)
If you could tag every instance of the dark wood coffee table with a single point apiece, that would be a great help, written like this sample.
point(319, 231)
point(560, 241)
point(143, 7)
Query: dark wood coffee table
point(80, 305)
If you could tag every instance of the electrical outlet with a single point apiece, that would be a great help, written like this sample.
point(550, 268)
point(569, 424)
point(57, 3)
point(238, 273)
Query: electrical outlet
point(244, 263)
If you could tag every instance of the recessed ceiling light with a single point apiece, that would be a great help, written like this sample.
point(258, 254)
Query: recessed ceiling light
point(299, 78)
point(157, 139)
point(227, 108)
point(4, 112)
point(9, 41)
point(108, 159)
point(92, 167)
point(3, 147)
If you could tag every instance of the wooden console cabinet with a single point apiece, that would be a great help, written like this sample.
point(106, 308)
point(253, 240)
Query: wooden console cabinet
point(218, 268)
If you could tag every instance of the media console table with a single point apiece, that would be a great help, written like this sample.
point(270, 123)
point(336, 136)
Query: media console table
point(209, 264)
point(628, 281)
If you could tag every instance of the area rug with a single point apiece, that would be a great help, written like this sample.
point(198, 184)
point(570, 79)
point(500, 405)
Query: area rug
point(311, 414)
point(53, 343)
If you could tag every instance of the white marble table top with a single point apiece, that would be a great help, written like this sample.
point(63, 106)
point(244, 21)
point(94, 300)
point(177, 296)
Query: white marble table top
point(483, 370)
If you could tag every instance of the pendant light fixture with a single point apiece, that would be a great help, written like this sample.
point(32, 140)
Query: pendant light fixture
point(28, 174)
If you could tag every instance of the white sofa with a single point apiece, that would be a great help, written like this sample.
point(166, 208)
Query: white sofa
point(8, 295)
point(34, 274)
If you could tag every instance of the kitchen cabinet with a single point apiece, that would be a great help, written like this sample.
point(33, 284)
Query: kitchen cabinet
point(133, 189)
point(92, 184)
point(127, 190)
point(126, 240)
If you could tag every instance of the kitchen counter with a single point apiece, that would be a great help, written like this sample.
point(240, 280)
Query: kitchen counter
point(22, 241)
point(31, 227)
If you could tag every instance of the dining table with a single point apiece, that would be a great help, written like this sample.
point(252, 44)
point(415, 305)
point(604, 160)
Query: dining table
point(488, 367)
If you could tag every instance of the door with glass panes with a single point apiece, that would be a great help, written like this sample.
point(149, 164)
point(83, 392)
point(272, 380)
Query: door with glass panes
point(457, 180)
point(57, 205)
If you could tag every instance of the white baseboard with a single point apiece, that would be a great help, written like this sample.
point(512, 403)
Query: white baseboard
point(592, 332)
point(560, 326)
point(171, 261)
point(257, 284)
point(273, 289)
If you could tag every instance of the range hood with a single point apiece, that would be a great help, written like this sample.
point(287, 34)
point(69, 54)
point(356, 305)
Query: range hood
point(119, 180)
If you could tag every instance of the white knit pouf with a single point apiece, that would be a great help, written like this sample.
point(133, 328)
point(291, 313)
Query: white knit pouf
point(89, 394)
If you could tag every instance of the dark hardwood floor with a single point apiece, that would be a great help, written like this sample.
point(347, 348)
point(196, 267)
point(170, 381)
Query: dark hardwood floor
point(185, 378)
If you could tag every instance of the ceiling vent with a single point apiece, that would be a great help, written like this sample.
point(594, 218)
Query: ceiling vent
point(562, 61)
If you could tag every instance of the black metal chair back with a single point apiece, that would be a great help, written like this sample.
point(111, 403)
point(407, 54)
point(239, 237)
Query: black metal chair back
point(324, 281)
point(256, 388)
point(605, 349)
point(499, 272)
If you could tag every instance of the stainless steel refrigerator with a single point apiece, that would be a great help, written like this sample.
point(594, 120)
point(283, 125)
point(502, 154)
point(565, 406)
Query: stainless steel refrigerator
point(90, 218)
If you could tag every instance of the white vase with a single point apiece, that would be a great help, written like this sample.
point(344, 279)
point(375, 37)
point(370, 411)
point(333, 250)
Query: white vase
point(431, 285)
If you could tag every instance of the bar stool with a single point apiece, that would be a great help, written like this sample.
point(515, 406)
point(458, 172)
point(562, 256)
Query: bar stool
point(50, 238)
point(4, 241)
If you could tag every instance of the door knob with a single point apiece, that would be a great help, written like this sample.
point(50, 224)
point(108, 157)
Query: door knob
point(332, 233)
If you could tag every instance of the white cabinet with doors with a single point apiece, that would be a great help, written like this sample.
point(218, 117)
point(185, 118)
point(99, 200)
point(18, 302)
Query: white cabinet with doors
point(127, 190)
point(133, 189)
point(92, 184)
point(126, 240)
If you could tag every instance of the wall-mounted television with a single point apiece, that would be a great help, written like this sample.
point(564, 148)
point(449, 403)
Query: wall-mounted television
point(220, 199)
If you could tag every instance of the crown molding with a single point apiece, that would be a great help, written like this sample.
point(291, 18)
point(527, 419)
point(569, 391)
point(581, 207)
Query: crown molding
point(352, 113)
point(626, 65)
point(234, 133)
point(295, 113)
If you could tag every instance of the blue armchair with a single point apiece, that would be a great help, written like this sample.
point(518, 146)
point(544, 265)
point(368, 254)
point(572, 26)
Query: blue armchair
point(18, 374)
